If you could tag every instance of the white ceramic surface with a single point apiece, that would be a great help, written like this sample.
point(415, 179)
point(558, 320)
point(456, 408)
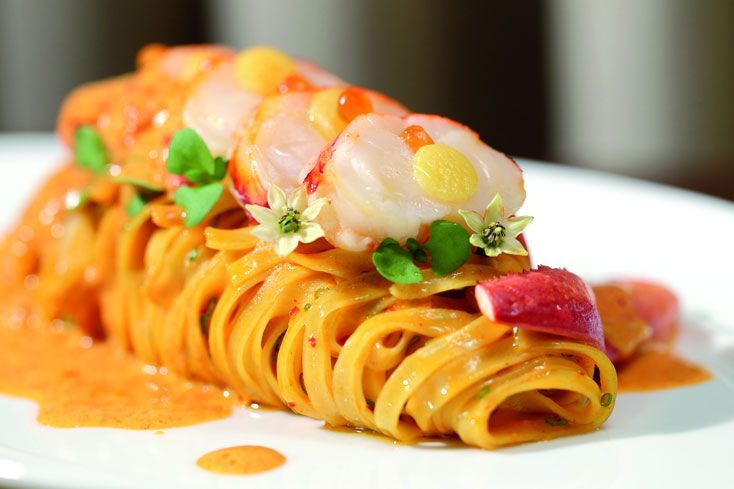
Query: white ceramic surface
point(597, 225)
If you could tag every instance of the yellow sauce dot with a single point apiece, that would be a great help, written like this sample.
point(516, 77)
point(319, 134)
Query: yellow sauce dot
point(261, 69)
point(444, 173)
point(324, 112)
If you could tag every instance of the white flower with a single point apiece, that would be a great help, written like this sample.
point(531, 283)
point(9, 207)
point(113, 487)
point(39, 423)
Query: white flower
point(495, 233)
point(287, 221)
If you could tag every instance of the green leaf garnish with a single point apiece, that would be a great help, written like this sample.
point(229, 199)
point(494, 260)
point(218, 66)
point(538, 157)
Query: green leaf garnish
point(220, 168)
point(483, 392)
point(136, 204)
point(138, 201)
point(89, 149)
point(188, 155)
point(198, 201)
point(448, 245)
point(415, 248)
point(395, 263)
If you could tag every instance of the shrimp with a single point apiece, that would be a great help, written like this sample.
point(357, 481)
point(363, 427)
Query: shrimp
point(390, 176)
point(229, 95)
point(289, 131)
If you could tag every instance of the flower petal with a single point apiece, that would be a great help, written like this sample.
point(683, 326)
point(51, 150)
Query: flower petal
point(495, 211)
point(263, 215)
point(276, 199)
point(309, 232)
point(512, 246)
point(298, 199)
point(477, 240)
point(473, 220)
point(492, 251)
point(265, 232)
point(516, 225)
point(313, 210)
point(286, 244)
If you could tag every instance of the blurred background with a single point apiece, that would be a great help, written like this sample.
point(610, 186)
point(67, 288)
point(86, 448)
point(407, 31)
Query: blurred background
point(643, 88)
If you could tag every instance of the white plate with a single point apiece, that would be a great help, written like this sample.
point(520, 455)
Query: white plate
point(594, 224)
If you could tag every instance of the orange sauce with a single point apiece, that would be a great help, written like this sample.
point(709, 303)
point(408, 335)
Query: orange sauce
point(241, 460)
point(655, 370)
point(77, 382)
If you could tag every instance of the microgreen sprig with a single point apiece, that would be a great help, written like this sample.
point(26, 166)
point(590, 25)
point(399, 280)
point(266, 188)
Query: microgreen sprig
point(448, 246)
point(89, 149)
point(189, 156)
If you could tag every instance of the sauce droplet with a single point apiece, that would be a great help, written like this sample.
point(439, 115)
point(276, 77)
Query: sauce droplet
point(415, 137)
point(295, 82)
point(241, 460)
point(353, 102)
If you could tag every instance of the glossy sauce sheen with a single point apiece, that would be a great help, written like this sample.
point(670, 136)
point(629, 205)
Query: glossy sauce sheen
point(78, 383)
point(242, 460)
point(656, 370)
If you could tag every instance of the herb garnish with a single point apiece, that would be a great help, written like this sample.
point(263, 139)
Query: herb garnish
point(606, 399)
point(448, 247)
point(555, 420)
point(89, 149)
point(189, 156)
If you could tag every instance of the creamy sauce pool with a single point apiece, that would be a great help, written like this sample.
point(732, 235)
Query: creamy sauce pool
point(241, 460)
point(80, 383)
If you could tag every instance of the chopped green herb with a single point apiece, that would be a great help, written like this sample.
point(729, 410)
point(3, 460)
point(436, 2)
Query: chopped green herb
point(555, 420)
point(307, 306)
point(395, 263)
point(448, 245)
point(89, 149)
point(483, 392)
point(606, 399)
point(192, 255)
point(205, 318)
point(319, 291)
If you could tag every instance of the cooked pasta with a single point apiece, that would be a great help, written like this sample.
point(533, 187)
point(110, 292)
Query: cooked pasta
point(323, 329)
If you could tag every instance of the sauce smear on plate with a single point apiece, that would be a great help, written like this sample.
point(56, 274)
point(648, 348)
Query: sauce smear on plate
point(77, 382)
point(655, 370)
point(241, 460)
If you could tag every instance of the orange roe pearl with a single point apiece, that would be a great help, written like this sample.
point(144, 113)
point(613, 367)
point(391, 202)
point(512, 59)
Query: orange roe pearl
point(353, 102)
point(415, 137)
point(295, 82)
